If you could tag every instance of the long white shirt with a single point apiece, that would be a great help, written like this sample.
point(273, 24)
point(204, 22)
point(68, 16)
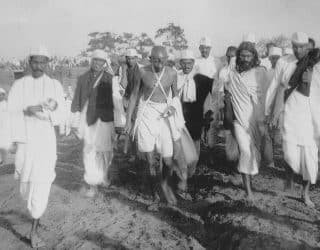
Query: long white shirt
point(207, 66)
point(275, 94)
point(36, 153)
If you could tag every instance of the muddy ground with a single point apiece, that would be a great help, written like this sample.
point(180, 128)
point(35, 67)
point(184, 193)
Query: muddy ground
point(218, 216)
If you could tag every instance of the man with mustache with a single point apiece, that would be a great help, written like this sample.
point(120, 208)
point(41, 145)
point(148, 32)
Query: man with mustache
point(296, 116)
point(93, 99)
point(36, 104)
point(243, 91)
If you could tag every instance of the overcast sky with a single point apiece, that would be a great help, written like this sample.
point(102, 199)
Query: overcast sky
point(63, 25)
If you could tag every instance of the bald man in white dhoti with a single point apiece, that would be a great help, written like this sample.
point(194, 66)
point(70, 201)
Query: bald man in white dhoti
point(244, 92)
point(36, 104)
point(298, 114)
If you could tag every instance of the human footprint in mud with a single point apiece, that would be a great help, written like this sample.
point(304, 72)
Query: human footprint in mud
point(154, 125)
point(243, 110)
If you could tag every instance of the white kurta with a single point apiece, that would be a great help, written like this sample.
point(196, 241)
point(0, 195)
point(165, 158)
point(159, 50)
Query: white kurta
point(301, 128)
point(37, 149)
point(274, 104)
point(245, 89)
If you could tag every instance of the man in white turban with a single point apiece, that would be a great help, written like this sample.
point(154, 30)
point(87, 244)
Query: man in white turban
point(297, 115)
point(93, 99)
point(36, 104)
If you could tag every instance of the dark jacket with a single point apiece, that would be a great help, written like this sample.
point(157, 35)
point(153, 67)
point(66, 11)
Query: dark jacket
point(100, 102)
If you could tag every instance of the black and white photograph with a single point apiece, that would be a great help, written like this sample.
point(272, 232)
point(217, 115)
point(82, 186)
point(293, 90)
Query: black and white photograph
point(159, 125)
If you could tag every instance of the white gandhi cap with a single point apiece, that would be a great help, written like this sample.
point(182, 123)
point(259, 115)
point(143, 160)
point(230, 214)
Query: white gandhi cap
point(99, 54)
point(300, 38)
point(132, 53)
point(275, 51)
point(39, 51)
point(205, 41)
point(187, 54)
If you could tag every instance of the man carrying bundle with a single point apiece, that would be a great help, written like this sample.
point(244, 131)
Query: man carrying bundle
point(299, 76)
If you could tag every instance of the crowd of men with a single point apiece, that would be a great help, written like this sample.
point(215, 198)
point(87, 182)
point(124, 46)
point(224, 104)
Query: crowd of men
point(160, 109)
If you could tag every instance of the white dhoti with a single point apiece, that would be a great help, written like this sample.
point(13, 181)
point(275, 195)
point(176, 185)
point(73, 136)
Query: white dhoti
point(299, 145)
point(98, 149)
point(37, 195)
point(249, 158)
point(35, 135)
point(153, 131)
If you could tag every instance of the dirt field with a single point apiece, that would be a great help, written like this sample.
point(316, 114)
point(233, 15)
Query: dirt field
point(219, 217)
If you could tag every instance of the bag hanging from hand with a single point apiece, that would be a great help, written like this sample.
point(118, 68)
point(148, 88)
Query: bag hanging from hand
point(189, 151)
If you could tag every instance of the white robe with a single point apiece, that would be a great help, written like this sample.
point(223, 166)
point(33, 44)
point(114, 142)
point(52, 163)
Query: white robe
point(245, 89)
point(37, 149)
point(274, 103)
point(301, 130)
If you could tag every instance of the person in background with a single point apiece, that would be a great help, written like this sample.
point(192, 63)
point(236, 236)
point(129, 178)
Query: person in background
point(4, 126)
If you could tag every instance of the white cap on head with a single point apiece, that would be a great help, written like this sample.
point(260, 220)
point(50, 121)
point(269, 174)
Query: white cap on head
point(39, 51)
point(187, 54)
point(300, 38)
point(275, 51)
point(171, 57)
point(99, 54)
point(132, 53)
point(288, 51)
point(2, 91)
point(205, 41)
point(250, 37)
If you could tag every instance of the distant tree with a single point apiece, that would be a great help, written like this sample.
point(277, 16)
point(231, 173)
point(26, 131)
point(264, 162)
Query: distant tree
point(118, 43)
point(173, 36)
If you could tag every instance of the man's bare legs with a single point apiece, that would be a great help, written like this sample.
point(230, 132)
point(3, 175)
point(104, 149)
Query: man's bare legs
point(288, 183)
point(152, 180)
point(36, 241)
point(247, 184)
point(167, 172)
point(306, 195)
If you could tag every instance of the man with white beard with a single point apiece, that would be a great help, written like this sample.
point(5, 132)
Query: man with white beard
point(298, 141)
point(36, 104)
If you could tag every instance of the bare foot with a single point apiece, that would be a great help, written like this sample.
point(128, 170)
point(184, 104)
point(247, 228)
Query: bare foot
point(288, 186)
point(36, 241)
point(91, 192)
point(154, 207)
point(250, 197)
point(168, 193)
point(308, 202)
